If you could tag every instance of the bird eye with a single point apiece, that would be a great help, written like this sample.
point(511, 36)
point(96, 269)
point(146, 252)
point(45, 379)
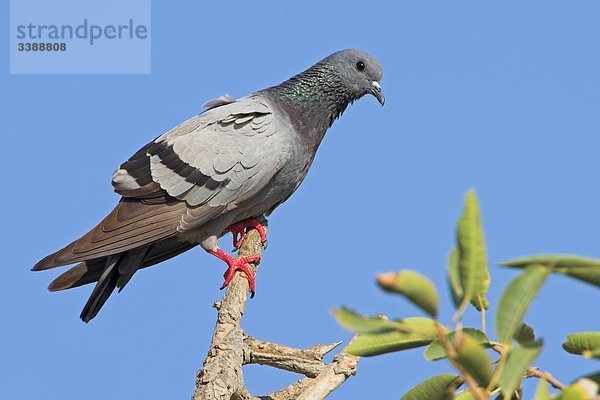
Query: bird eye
point(360, 65)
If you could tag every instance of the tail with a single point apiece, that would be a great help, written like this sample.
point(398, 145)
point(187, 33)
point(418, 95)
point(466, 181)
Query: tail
point(138, 232)
point(115, 271)
point(118, 270)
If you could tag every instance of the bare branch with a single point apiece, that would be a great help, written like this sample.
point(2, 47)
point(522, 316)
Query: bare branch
point(222, 376)
point(290, 392)
point(333, 375)
point(231, 348)
point(308, 362)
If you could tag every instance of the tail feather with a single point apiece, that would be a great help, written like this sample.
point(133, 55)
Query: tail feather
point(132, 261)
point(115, 271)
point(131, 224)
point(90, 271)
point(103, 289)
point(118, 270)
point(83, 273)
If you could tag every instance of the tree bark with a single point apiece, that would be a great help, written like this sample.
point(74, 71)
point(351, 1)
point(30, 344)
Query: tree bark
point(221, 377)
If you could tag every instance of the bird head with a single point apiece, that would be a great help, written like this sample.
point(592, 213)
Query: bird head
point(360, 73)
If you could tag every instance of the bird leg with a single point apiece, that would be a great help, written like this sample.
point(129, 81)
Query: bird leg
point(236, 264)
point(239, 229)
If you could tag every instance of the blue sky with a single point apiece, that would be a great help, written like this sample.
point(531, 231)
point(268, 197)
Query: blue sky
point(502, 97)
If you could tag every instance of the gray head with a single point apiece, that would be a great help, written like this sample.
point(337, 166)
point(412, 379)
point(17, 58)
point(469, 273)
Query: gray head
point(359, 72)
point(321, 93)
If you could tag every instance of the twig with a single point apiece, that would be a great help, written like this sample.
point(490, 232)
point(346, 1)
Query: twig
point(500, 349)
point(451, 351)
point(308, 362)
point(333, 375)
point(290, 392)
point(497, 347)
point(459, 312)
point(330, 378)
point(531, 371)
point(534, 372)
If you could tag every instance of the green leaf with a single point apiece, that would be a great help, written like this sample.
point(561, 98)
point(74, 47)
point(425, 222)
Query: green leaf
point(524, 334)
point(411, 333)
point(586, 344)
point(583, 389)
point(517, 361)
point(420, 326)
point(515, 301)
point(588, 275)
point(414, 286)
point(465, 395)
point(472, 258)
point(542, 392)
point(362, 324)
point(474, 359)
point(582, 268)
point(456, 289)
point(436, 351)
point(439, 387)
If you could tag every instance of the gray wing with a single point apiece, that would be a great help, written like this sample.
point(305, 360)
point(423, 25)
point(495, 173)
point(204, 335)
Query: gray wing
point(209, 164)
point(213, 161)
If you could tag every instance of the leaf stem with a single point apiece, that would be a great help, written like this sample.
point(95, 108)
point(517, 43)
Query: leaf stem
point(496, 375)
point(535, 372)
point(451, 351)
point(483, 329)
point(459, 311)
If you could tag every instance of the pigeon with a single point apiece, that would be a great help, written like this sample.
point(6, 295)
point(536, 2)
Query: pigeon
point(222, 171)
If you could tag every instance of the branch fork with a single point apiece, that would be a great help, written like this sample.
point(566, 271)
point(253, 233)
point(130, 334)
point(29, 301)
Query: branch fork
point(221, 376)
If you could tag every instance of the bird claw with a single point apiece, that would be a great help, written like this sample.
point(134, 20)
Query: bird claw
point(239, 230)
point(239, 264)
point(238, 239)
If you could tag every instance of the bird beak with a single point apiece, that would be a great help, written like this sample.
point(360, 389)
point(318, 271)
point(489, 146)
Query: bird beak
point(377, 92)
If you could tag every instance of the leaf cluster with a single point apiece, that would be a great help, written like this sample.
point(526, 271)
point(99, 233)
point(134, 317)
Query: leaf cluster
point(484, 367)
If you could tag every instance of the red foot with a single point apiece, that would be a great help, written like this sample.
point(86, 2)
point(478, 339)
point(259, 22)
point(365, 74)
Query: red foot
point(239, 232)
point(236, 264)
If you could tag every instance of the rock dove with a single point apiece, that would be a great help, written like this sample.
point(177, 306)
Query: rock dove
point(223, 170)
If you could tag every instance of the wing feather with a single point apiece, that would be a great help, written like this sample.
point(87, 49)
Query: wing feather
point(90, 271)
point(187, 176)
point(131, 224)
point(220, 160)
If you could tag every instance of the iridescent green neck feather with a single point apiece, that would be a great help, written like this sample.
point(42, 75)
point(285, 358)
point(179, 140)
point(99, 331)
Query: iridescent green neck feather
point(318, 93)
